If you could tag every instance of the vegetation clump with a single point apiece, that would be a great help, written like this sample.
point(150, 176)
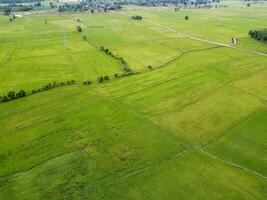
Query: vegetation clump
point(79, 28)
point(100, 79)
point(87, 83)
point(259, 34)
point(137, 17)
point(11, 95)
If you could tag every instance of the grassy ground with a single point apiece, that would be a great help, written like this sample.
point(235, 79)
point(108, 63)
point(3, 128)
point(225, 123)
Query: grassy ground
point(134, 137)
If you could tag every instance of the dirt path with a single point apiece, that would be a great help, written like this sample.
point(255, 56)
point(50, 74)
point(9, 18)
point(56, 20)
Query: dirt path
point(207, 41)
point(232, 164)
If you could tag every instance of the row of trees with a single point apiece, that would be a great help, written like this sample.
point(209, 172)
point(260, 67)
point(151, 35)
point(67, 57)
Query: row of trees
point(11, 95)
point(259, 34)
point(49, 86)
point(121, 59)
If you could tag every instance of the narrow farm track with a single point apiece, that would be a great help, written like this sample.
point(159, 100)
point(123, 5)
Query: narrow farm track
point(207, 41)
point(232, 164)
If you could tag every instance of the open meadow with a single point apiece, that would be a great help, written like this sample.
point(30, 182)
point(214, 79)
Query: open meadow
point(188, 122)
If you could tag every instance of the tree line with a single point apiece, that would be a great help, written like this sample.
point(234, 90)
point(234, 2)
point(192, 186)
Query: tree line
point(121, 59)
point(12, 95)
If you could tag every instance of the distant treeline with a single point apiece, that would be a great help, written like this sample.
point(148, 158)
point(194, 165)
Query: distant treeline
point(259, 34)
point(19, 1)
point(89, 6)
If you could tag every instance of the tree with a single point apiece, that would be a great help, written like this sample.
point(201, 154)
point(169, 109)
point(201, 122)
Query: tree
point(106, 77)
point(21, 94)
point(149, 67)
point(7, 11)
point(11, 95)
point(100, 79)
point(186, 17)
point(116, 75)
point(79, 28)
point(137, 17)
point(5, 98)
point(87, 82)
point(51, 5)
point(38, 4)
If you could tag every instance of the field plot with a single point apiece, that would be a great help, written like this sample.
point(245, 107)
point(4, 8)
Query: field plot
point(192, 126)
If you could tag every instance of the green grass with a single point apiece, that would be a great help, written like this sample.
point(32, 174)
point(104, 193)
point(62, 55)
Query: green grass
point(134, 137)
point(244, 143)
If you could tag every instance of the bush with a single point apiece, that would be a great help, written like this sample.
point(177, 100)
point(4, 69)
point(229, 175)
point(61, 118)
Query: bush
point(106, 77)
point(21, 94)
point(149, 67)
point(11, 95)
point(186, 18)
point(79, 28)
point(137, 17)
point(116, 75)
point(87, 82)
point(62, 83)
point(100, 79)
point(4, 98)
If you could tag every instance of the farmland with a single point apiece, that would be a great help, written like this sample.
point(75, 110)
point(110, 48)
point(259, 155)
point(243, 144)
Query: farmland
point(192, 126)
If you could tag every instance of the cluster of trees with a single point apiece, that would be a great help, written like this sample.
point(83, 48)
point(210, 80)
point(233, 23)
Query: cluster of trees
point(121, 59)
point(19, 1)
point(11, 95)
point(259, 34)
point(137, 17)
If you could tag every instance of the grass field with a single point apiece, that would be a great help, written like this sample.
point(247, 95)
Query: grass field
point(194, 127)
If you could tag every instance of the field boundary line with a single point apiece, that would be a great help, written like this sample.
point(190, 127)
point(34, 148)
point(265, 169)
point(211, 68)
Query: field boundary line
point(10, 55)
point(207, 41)
point(232, 164)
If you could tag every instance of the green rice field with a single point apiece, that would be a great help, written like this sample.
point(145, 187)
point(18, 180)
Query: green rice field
point(192, 127)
